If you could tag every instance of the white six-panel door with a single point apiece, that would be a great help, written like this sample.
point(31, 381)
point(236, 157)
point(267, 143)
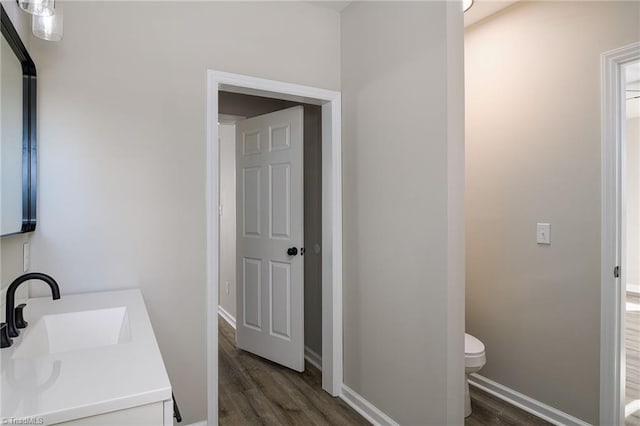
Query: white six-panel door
point(270, 299)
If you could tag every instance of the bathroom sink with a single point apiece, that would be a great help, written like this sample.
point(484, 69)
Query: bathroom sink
point(74, 331)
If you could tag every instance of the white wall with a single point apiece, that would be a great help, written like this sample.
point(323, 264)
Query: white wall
point(633, 193)
point(533, 155)
point(122, 101)
point(403, 178)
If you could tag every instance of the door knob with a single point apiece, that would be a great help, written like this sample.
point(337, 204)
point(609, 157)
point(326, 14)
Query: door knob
point(292, 251)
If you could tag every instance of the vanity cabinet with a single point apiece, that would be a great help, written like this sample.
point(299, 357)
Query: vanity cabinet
point(87, 359)
point(156, 414)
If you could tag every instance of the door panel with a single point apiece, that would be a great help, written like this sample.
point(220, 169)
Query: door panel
point(280, 195)
point(251, 188)
point(280, 292)
point(269, 212)
point(251, 278)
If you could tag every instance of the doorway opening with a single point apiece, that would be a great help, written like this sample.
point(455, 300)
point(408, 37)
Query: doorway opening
point(238, 113)
point(631, 283)
point(620, 329)
point(234, 101)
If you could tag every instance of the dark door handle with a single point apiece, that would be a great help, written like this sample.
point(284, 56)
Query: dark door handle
point(292, 251)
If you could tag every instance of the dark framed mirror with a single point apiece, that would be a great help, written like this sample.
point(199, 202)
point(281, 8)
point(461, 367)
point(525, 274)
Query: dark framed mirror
point(18, 148)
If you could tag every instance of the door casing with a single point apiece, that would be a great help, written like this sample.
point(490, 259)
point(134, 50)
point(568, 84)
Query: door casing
point(331, 219)
point(613, 289)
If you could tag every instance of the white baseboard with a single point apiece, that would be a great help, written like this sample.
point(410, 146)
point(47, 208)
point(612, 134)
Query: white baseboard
point(524, 402)
point(202, 423)
point(313, 358)
point(228, 318)
point(633, 288)
point(365, 408)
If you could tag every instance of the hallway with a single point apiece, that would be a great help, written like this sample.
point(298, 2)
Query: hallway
point(254, 391)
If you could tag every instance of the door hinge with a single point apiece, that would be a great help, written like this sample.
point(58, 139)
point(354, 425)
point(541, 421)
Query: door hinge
point(616, 272)
point(220, 210)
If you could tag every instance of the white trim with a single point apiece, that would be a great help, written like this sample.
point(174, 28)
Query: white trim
point(366, 409)
point(331, 220)
point(535, 407)
point(633, 288)
point(332, 245)
point(313, 357)
point(202, 423)
point(612, 356)
point(227, 317)
point(212, 203)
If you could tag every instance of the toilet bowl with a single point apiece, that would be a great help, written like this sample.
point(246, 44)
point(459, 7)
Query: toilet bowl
point(474, 359)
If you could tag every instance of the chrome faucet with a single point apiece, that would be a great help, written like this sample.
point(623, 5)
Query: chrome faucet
point(13, 321)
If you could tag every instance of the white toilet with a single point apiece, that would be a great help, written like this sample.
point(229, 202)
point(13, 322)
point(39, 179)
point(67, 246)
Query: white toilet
point(474, 359)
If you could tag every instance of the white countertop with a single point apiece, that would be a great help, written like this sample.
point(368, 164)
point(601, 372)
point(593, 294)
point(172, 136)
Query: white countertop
point(84, 382)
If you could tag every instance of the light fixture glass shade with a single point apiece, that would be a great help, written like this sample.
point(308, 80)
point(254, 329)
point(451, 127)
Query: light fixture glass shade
point(48, 27)
point(38, 7)
point(466, 5)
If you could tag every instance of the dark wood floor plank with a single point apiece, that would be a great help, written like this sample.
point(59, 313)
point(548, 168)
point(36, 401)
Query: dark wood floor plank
point(255, 391)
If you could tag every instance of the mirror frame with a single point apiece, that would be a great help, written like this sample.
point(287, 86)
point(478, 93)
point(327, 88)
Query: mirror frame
point(29, 123)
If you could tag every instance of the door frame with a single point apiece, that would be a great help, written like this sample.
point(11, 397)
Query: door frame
point(331, 219)
point(613, 289)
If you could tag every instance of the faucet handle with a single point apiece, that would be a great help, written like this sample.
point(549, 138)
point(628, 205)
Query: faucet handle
point(20, 322)
point(5, 340)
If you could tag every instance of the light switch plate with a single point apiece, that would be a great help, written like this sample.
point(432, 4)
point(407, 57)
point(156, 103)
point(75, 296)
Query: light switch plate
point(543, 233)
point(26, 257)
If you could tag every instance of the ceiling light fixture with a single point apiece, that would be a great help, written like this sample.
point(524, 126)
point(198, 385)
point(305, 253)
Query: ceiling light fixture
point(48, 27)
point(38, 7)
point(466, 5)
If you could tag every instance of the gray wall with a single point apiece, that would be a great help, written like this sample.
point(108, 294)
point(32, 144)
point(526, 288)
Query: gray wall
point(533, 155)
point(251, 106)
point(227, 286)
point(122, 148)
point(312, 228)
point(403, 166)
